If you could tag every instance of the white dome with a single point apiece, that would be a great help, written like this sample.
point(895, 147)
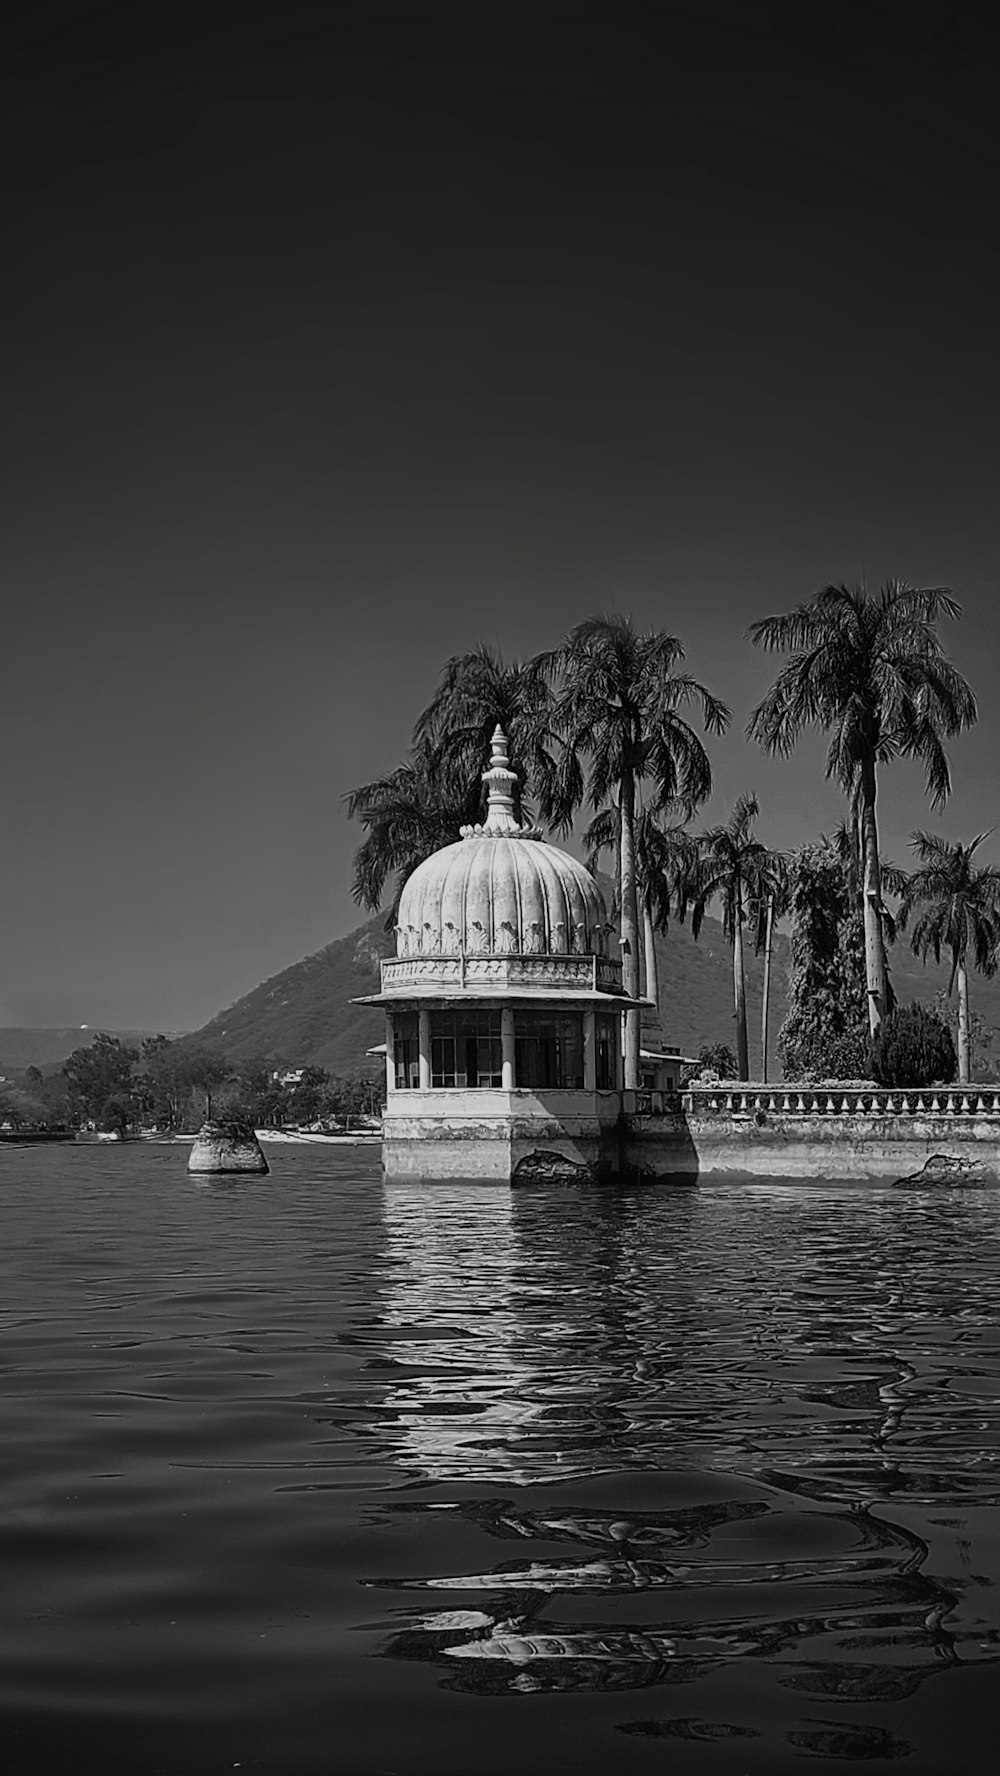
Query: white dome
point(501, 890)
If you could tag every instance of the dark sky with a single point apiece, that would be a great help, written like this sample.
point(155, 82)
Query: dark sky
point(340, 339)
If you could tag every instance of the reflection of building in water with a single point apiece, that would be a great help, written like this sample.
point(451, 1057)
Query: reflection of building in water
point(503, 1009)
point(466, 1405)
point(535, 1344)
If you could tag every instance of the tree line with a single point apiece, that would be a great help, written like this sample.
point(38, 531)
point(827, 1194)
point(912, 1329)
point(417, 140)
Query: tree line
point(173, 1086)
point(610, 724)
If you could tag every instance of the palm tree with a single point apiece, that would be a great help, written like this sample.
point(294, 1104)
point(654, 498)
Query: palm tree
point(746, 876)
point(961, 903)
point(478, 689)
point(619, 700)
point(871, 672)
point(665, 859)
point(408, 814)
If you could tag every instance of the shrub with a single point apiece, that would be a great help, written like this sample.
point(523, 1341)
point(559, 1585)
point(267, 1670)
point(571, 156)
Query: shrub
point(849, 1056)
point(912, 1047)
point(717, 1057)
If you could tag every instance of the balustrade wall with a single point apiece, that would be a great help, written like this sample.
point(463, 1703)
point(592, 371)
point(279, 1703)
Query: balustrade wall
point(755, 1101)
point(817, 1132)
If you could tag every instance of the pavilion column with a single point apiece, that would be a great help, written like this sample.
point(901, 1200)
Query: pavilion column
point(424, 1047)
point(507, 1048)
point(590, 1049)
point(390, 1053)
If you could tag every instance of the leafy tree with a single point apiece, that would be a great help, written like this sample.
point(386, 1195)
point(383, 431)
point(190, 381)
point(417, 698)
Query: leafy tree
point(825, 1034)
point(163, 1083)
point(871, 672)
point(913, 1047)
point(739, 869)
point(120, 1113)
point(354, 1096)
point(98, 1074)
point(619, 701)
point(478, 689)
point(716, 1057)
point(309, 1096)
point(960, 902)
point(21, 1108)
point(203, 1069)
point(54, 1095)
point(235, 1103)
point(407, 815)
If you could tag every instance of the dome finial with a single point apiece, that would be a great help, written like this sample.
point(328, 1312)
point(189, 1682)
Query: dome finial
point(500, 781)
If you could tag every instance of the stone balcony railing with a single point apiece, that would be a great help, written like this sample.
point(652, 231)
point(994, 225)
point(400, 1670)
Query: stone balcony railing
point(755, 1102)
point(596, 974)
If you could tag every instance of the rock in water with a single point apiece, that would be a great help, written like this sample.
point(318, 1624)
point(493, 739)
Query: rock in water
point(947, 1168)
point(226, 1147)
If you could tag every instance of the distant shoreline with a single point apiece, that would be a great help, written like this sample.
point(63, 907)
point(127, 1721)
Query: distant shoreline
point(291, 1137)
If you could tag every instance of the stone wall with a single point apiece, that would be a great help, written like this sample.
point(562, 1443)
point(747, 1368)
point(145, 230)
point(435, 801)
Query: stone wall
point(762, 1132)
point(796, 1133)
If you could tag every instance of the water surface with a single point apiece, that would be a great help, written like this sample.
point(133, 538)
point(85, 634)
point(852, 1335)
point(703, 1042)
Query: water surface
point(312, 1473)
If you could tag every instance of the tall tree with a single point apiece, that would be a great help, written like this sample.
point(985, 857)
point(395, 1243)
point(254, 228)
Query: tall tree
point(871, 672)
point(21, 1108)
point(665, 859)
point(100, 1076)
point(162, 1085)
point(203, 1070)
point(407, 815)
point(826, 1031)
point(960, 903)
point(478, 689)
point(737, 868)
point(620, 697)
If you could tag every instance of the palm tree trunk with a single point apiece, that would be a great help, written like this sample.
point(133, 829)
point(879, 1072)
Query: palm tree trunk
point(766, 999)
point(649, 953)
point(964, 1045)
point(875, 975)
point(630, 929)
point(740, 996)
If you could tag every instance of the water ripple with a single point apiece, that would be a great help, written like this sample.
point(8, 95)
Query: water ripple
point(322, 1473)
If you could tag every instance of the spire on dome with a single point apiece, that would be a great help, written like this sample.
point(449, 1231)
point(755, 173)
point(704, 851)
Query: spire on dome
point(500, 781)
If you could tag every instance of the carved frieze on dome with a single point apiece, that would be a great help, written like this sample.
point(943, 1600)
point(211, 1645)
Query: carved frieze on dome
point(585, 974)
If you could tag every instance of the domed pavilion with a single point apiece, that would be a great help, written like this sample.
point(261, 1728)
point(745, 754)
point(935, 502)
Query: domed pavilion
point(502, 1008)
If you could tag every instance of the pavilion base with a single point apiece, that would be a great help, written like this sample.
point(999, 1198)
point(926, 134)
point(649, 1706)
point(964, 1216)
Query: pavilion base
point(556, 1137)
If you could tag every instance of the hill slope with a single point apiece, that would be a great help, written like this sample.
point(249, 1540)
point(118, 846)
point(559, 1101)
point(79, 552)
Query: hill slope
point(303, 1015)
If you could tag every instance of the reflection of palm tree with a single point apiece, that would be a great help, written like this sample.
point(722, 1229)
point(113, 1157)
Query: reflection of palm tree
point(871, 672)
point(620, 695)
point(746, 876)
point(961, 913)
